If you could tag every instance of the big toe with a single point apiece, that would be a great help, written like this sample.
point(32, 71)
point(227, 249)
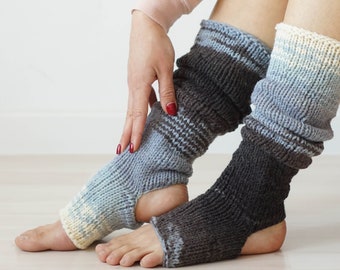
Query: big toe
point(152, 260)
point(51, 236)
point(30, 241)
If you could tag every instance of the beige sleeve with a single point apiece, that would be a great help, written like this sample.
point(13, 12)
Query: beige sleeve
point(165, 12)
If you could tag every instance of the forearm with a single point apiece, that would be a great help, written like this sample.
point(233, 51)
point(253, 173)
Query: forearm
point(165, 12)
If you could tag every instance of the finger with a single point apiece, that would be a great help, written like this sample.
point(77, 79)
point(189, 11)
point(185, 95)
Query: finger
point(127, 129)
point(167, 93)
point(153, 97)
point(139, 115)
point(126, 135)
point(139, 120)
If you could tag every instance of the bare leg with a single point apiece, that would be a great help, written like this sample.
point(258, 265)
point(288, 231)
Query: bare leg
point(302, 13)
point(254, 17)
point(143, 245)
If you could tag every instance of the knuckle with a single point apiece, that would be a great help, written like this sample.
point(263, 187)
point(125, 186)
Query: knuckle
point(134, 113)
point(167, 94)
point(137, 114)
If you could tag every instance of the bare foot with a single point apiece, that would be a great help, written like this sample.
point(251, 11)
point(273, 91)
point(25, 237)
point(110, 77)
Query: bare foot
point(139, 245)
point(158, 202)
point(53, 236)
point(265, 241)
point(143, 245)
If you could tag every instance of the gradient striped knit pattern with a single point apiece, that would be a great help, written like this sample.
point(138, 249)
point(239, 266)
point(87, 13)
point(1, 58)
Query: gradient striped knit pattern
point(299, 97)
point(213, 85)
point(294, 105)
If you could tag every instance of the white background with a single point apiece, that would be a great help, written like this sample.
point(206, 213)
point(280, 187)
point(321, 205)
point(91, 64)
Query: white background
point(63, 75)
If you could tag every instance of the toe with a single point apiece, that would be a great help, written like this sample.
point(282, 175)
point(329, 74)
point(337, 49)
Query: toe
point(116, 255)
point(21, 240)
point(152, 260)
point(114, 258)
point(132, 257)
point(140, 245)
point(29, 241)
point(51, 236)
point(103, 251)
point(110, 253)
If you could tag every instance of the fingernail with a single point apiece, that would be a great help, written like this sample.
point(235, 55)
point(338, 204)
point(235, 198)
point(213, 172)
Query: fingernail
point(118, 149)
point(171, 108)
point(131, 148)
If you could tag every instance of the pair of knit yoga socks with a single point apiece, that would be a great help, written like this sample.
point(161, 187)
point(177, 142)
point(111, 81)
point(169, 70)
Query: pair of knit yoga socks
point(294, 99)
point(213, 85)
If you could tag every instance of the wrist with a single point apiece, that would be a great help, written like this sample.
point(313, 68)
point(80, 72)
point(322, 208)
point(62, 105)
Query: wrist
point(142, 20)
point(165, 12)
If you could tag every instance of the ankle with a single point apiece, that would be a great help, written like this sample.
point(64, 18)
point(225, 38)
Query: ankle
point(160, 201)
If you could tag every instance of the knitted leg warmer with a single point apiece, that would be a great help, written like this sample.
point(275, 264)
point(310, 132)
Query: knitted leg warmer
point(294, 105)
point(213, 85)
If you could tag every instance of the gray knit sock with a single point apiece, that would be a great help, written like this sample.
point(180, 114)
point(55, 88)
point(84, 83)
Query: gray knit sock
point(247, 197)
point(213, 85)
point(294, 105)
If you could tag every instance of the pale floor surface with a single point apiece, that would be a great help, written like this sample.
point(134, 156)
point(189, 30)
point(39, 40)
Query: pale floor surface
point(34, 188)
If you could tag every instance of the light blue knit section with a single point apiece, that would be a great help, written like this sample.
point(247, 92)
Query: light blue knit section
point(107, 202)
point(295, 103)
point(226, 38)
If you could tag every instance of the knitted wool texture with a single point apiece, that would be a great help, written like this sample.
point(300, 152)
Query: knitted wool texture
point(294, 105)
point(213, 86)
point(299, 97)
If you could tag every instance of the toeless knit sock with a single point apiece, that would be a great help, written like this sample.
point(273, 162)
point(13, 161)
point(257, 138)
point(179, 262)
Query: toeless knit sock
point(213, 85)
point(294, 105)
point(247, 197)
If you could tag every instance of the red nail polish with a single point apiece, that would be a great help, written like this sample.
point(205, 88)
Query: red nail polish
point(119, 149)
point(171, 108)
point(131, 148)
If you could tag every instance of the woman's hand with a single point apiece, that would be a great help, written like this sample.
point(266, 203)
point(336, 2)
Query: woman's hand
point(151, 58)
